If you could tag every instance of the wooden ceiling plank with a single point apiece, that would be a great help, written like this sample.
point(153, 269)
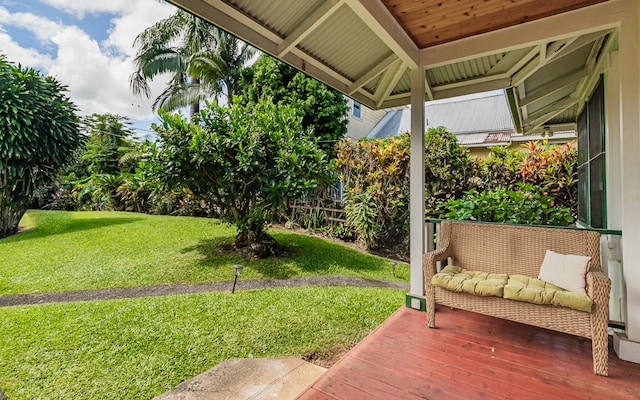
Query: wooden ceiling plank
point(452, 20)
point(307, 25)
point(372, 72)
point(582, 21)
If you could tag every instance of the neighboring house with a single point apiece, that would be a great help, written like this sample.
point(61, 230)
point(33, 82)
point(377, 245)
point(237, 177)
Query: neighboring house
point(361, 119)
point(479, 121)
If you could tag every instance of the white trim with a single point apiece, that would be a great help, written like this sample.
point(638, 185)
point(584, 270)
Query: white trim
point(416, 182)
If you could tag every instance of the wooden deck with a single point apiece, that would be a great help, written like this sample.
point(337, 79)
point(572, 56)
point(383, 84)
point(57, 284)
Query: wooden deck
point(471, 356)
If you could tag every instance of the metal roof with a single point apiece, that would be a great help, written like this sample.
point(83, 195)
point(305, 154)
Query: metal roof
point(547, 57)
point(473, 118)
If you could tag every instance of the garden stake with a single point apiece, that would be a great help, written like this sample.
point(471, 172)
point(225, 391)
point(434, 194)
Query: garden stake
point(237, 268)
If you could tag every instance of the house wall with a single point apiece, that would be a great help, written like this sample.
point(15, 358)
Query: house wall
point(357, 128)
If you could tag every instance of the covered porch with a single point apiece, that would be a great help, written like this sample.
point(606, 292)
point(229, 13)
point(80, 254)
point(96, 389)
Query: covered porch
point(549, 57)
point(471, 356)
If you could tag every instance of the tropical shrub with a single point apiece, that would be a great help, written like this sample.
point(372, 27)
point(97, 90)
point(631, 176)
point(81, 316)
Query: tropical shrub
point(39, 135)
point(374, 174)
point(450, 170)
point(521, 205)
point(245, 160)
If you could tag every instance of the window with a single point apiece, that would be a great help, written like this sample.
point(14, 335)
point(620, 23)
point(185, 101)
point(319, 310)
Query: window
point(357, 109)
point(591, 161)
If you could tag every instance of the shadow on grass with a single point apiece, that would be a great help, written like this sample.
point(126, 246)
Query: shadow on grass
point(299, 255)
point(68, 226)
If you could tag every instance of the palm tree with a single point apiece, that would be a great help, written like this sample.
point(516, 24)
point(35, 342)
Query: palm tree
point(222, 68)
point(197, 54)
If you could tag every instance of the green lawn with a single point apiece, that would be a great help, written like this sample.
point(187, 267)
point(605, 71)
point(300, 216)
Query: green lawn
point(139, 348)
point(89, 250)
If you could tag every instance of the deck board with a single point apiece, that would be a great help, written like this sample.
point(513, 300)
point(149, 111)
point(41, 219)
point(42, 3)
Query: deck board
point(471, 356)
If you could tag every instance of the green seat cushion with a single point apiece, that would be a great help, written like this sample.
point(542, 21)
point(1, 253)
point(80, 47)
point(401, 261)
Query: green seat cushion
point(534, 290)
point(473, 282)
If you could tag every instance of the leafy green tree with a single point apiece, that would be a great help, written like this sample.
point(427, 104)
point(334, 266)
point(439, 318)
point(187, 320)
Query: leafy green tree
point(109, 145)
point(323, 109)
point(203, 61)
point(247, 160)
point(39, 134)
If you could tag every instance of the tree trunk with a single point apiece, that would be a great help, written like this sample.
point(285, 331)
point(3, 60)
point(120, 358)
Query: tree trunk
point(262, 245)
point(9, 219)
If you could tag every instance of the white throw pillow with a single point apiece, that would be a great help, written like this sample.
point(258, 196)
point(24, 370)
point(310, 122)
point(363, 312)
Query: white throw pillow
point(565, 270)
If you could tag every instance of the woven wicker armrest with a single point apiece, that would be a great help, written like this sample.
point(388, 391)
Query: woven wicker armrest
point(431, 258)
point(598, 287)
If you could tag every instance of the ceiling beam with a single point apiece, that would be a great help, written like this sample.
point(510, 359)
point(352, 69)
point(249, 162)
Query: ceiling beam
point(376, 16)
point(501, 78)
point(389, 81)
point(548, 117)
point(478, 87)
point(528, 69)
point(371, 73)
point(553, 86)
point(543, 113)
point(307, 25)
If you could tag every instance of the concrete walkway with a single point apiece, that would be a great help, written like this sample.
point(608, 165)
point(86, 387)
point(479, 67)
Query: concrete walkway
point(165, 290)
point(280, 378)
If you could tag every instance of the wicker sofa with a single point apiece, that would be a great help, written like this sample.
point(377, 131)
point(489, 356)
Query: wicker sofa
point(514, 249)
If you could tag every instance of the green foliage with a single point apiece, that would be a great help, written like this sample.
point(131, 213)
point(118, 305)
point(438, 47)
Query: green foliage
point(375, 179)
point(553, 170)
point(246, 160)
point(362, 216)
point(322, 109)
point(109, 142)
point(450, 170)
point(38, 136)
point(521, 205)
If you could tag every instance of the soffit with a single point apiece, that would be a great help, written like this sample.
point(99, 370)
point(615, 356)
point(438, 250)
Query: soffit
point(366, 48)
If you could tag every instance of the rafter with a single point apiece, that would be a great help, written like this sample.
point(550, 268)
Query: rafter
point(307, 25)
point(543, 113)
point(371, 73)
point(385, 26)
point(554, 86)
point(389, 81)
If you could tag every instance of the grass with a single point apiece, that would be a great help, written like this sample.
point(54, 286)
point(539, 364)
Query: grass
point(139, 348)
point(89, 250)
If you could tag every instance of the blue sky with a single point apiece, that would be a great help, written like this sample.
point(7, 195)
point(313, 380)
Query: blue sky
point(87, 46)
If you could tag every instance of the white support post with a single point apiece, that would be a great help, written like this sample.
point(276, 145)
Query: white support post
point(628, 346)
point(416, 179)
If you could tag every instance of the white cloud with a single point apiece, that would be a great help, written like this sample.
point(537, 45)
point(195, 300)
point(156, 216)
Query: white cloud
point(27, 57)
point(95, 73)
point(139, 16)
